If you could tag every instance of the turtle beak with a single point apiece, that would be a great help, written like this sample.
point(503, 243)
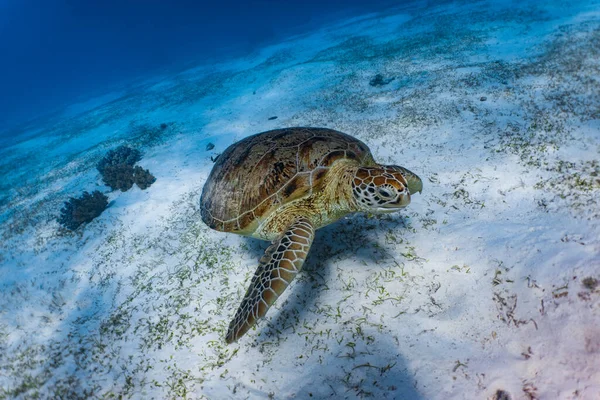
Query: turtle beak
point(414, 183)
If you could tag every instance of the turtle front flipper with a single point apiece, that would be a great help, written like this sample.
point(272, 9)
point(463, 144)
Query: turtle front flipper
point(283, 259)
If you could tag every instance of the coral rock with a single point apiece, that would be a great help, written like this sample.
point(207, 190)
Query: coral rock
point(143, 178)
point(77, 211)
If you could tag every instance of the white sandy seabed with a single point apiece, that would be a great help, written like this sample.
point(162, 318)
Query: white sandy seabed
point(486, 286)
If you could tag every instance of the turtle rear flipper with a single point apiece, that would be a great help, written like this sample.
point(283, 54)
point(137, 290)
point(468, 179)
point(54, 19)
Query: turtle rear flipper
point(281, 263)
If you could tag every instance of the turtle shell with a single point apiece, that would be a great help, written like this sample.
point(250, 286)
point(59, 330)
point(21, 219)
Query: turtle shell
point(260, 173)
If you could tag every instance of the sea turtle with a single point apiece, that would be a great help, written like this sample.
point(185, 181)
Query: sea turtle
point(282, 185)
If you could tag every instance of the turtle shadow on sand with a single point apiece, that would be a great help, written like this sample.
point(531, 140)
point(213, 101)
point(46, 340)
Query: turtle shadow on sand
point(378, 371)
point(340, 239)
point(368, 369)
point(346, 239)
point(375, 370)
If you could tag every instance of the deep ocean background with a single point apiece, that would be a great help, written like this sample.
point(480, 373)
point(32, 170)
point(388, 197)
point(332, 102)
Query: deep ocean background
point(56, 52)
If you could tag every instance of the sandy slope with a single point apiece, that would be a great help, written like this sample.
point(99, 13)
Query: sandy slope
point(479, 286)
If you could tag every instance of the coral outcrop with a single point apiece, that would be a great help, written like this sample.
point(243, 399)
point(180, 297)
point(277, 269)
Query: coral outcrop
point(119, 171)
point(81, 210)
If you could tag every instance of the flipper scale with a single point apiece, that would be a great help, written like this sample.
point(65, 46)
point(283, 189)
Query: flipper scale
point(280, 264)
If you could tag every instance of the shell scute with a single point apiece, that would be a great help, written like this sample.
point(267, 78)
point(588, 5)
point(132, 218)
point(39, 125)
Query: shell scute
point(318, 174)
point(333, 156)
point(297, 187)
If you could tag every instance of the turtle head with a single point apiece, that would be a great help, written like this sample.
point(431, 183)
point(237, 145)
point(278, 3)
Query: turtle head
point(384, 189)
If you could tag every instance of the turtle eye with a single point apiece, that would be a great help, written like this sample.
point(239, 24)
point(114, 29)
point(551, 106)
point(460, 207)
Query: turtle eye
point(385, 193)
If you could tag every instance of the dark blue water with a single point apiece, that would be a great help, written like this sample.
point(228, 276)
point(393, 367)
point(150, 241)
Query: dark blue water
point(55, 52)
